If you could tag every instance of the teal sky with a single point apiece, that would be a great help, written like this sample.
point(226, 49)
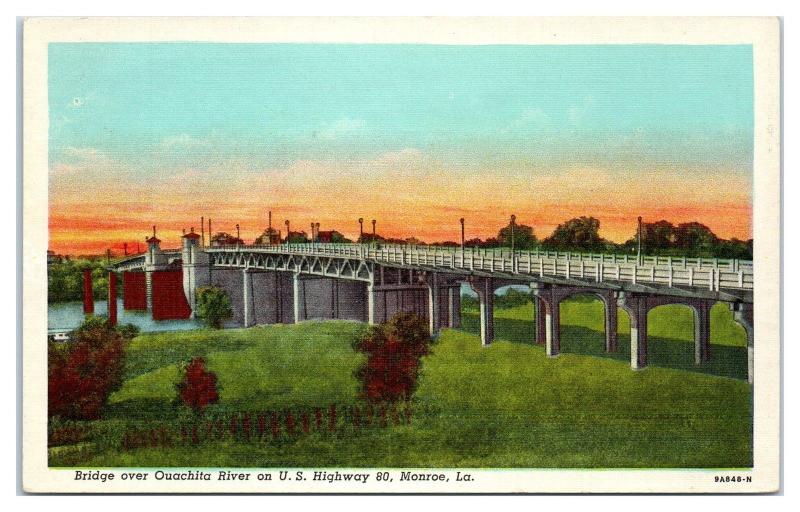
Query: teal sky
point(409, 134)
point(276, 103)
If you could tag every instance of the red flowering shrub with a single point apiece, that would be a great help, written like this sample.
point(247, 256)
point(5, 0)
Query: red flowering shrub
point(393, 353)
point(198, 388)
point(84, 372)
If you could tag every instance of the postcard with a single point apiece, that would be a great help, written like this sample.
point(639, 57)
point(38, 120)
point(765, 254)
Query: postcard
point(401, 255)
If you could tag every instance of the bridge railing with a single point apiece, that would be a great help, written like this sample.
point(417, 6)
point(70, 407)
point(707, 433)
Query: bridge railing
point(444, 252)
point(712, 274)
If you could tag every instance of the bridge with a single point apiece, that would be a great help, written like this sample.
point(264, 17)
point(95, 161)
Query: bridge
point(289, 283)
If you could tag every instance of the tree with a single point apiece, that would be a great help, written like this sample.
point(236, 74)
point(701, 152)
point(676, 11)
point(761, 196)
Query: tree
point(223, 238)
point(696, 239)
point(338, 238)
point(267, 237)
point(393, 353)
point(83, 373)
point(198, 388)
point(297, 237)
point(213, 306)
point(578, 234)
point(524, 238)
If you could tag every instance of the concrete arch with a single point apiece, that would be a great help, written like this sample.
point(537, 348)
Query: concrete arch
point(609, 302)
point(638, 307)
point(550, 298)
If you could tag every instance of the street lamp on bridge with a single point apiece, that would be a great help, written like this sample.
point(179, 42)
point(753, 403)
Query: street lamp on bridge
point(238, 236)
point(361, 230)
point(316, 231)
point(373, 232)
point(287, 232)
point(513, 220)
point(461, 220)
point(639, 242)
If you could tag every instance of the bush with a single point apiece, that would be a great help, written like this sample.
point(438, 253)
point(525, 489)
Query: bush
point(393, 353)
point(198, 389)
point(83, 373)
point(213, 306)
point(128, 331)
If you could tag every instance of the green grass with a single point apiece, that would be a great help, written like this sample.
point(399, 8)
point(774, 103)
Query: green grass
point(507, 405)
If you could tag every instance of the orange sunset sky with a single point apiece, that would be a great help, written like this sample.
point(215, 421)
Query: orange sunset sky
point(413, 136)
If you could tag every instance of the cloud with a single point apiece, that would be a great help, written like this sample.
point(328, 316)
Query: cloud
point(340, 128)
point(182, 140)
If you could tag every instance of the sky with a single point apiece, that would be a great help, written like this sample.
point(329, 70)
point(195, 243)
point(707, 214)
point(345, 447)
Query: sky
point(414, 136)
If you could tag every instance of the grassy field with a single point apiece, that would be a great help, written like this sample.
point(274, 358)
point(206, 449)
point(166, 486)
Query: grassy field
point(507, 405)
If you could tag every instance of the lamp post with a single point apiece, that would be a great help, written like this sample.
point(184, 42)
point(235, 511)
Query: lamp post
point(361, 230)
point(316, 231)
point(287, 232)
point(313, 236)
point(238, 237)
point(461, 220)
point(513, 219)
point(639, 242)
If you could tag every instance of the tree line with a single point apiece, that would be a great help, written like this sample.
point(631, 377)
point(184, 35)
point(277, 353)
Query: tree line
point(580, 234)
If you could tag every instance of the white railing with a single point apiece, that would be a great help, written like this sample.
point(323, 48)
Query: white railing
point(709, 273)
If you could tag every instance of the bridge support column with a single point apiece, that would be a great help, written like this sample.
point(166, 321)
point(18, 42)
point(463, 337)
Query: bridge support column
point(743, 314)
point(247, 298)
point(702, 332)
point(433, 304)
point(636, 306)
point(541, 321)
point(112, 299)
point(548, 317)
point(296, 316)
point(484, 287)
point(371, 303)
point(148, 283)
point(611, 322)
point(552, 321)
point(88, 293)
point(454, 307)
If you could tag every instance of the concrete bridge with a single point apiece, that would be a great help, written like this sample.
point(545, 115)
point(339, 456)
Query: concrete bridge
point(290, 283)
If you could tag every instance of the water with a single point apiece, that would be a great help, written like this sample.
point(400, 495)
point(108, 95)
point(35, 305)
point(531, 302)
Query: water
point(69, 315)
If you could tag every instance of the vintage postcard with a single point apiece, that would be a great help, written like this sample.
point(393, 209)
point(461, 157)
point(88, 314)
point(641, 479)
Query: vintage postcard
point(373, 255)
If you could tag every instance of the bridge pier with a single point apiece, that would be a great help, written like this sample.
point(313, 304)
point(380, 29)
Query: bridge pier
point(610, 305)
point(702, 332)
point(148, 287)
point(112, 299)
point(247, 298)
point(636, 307)
point(484, 287)
point(540, 321)
point(743, 315)
point(454, 307)
point(433, 304)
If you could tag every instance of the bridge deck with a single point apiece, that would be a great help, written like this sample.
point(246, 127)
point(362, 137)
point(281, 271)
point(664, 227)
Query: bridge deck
point(706, 273)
